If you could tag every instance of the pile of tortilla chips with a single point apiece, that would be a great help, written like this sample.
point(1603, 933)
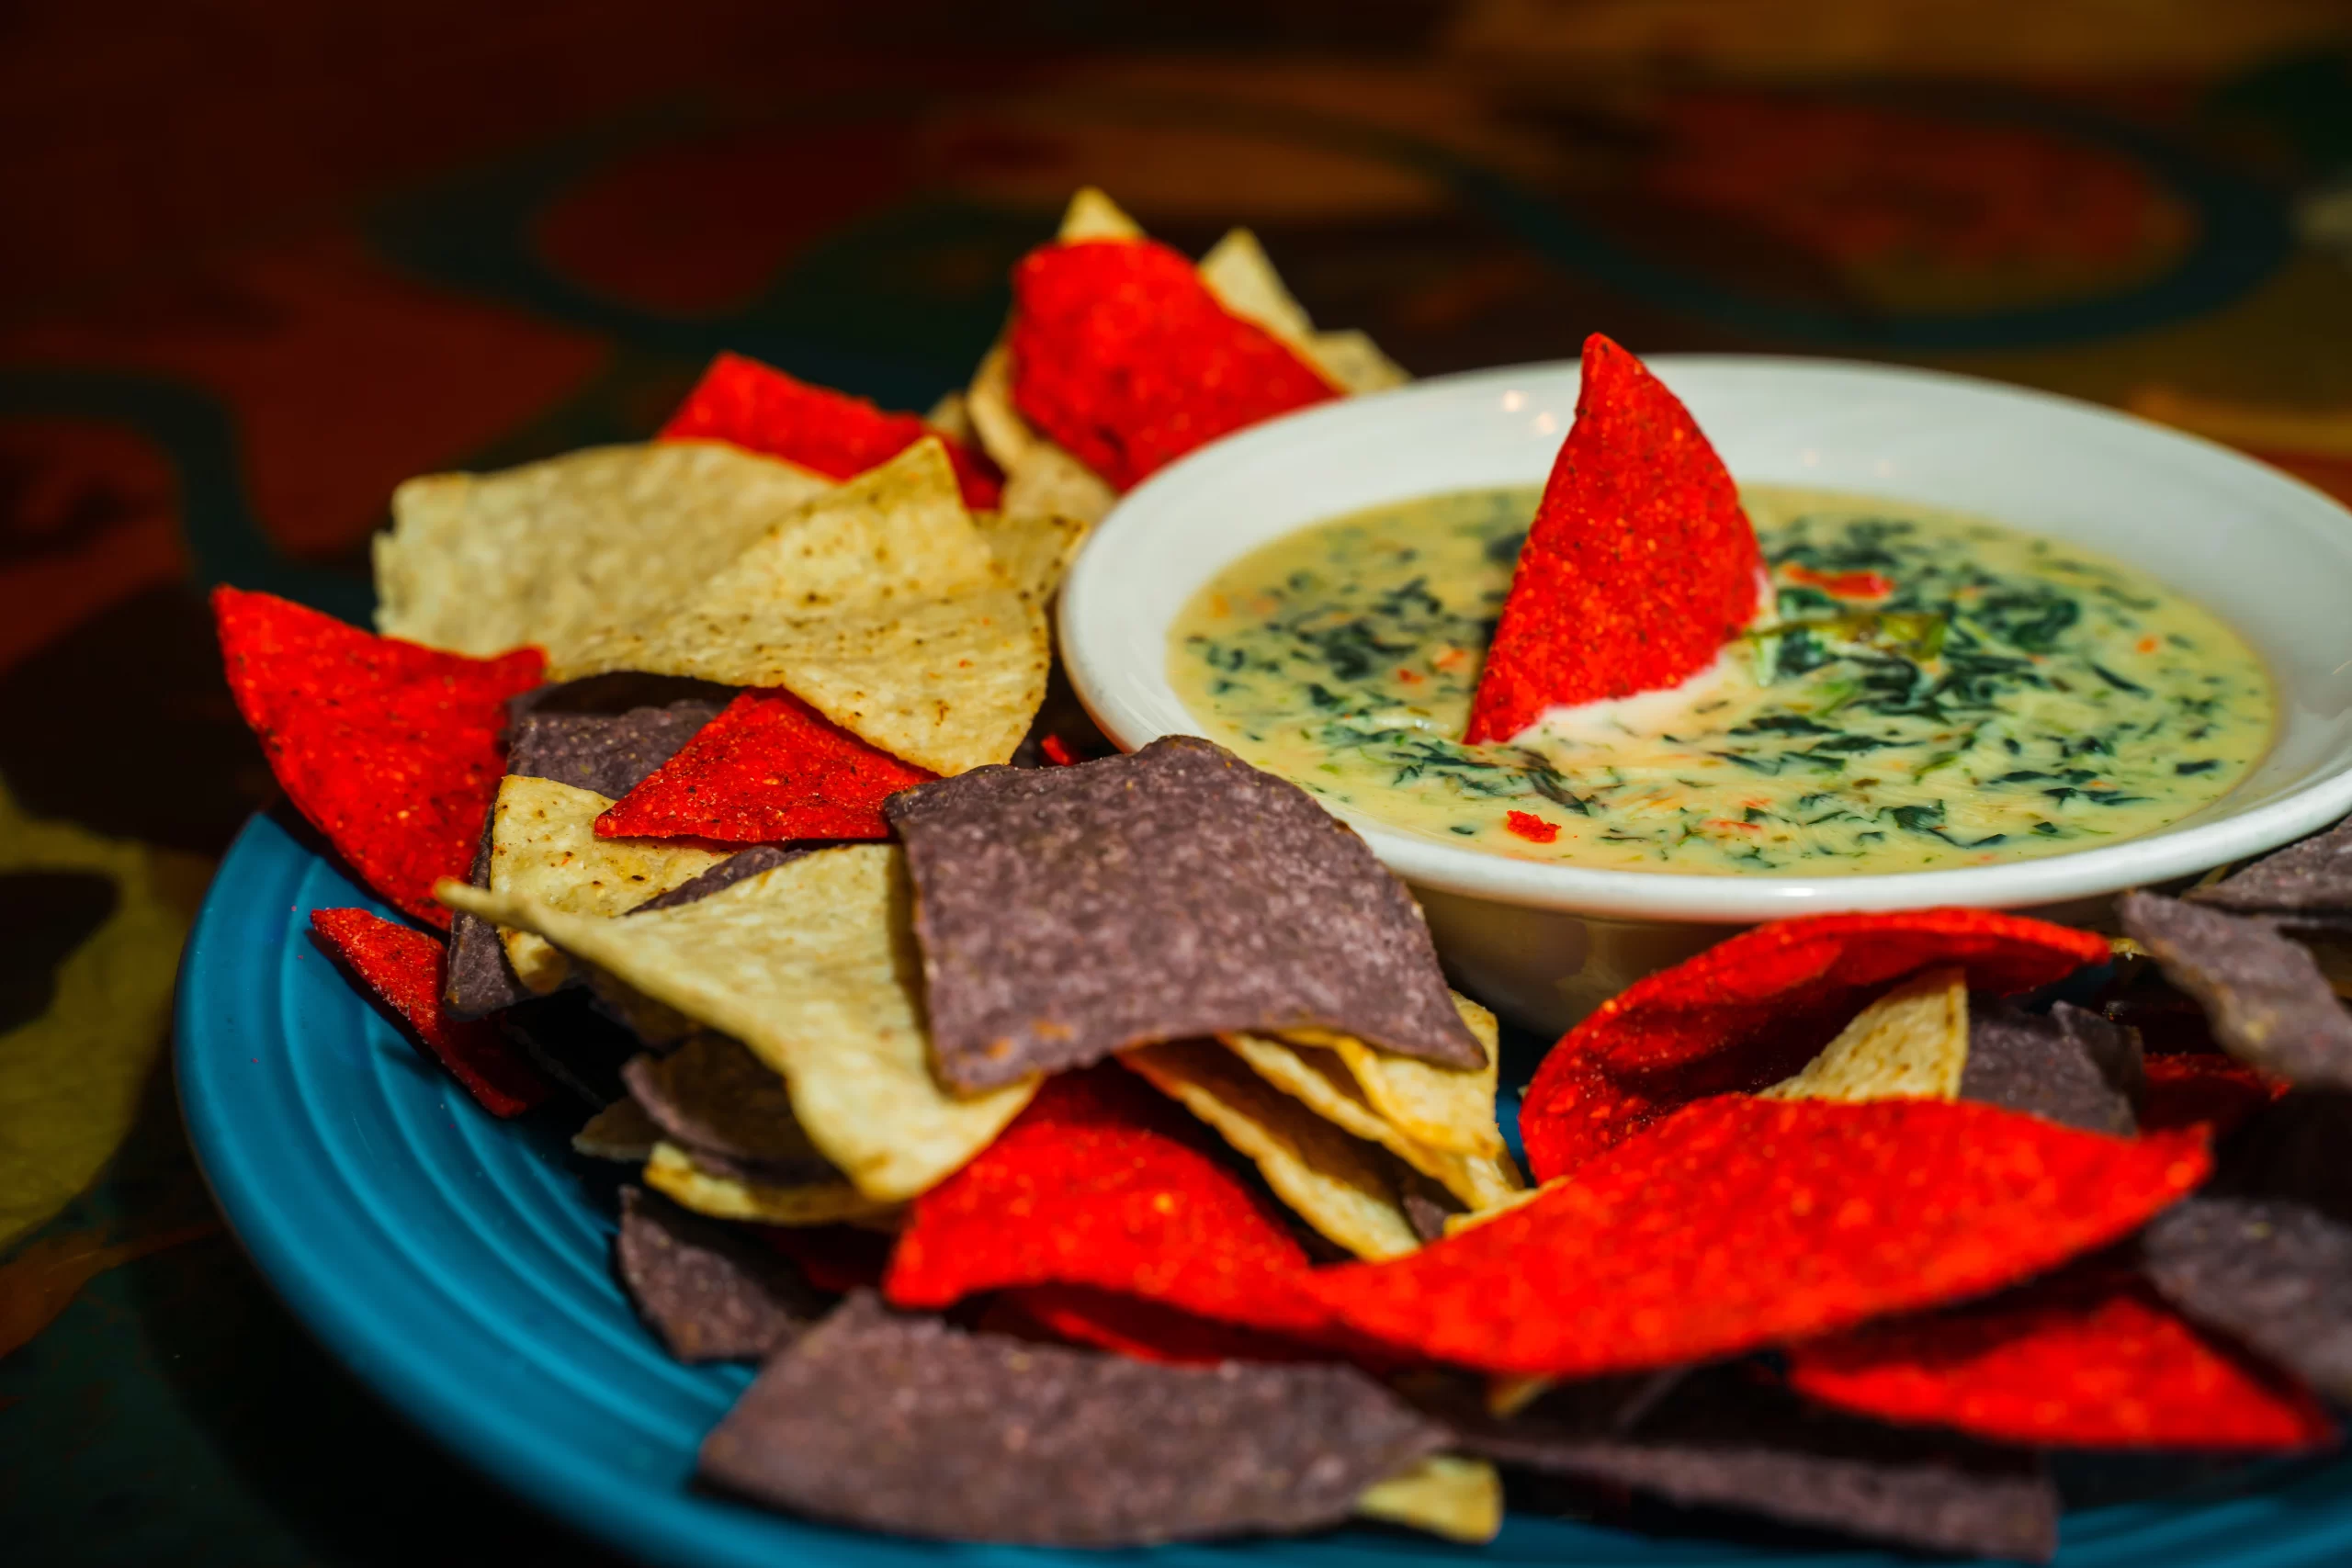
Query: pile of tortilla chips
point(1088, 1147)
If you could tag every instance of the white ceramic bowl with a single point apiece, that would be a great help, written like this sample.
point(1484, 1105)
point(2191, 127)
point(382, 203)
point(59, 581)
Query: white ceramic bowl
point(1546, 942)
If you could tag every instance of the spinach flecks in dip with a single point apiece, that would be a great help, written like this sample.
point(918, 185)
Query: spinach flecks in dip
point(1925, 690)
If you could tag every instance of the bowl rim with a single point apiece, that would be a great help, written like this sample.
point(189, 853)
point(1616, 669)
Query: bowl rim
point(2165, 855)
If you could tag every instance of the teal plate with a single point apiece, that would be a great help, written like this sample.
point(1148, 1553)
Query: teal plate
point(458, 1264)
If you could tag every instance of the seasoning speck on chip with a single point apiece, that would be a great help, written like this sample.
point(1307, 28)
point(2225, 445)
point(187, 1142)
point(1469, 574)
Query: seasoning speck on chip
point(909, 1426)
point(1068, 913)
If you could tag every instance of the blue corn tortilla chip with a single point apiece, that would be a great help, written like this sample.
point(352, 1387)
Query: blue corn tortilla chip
point(2067, 1065)
point(2272, 1273)
point(910, 1426)
point(2265, 997)
point(1067, 913)
point(710, 1293)
point(2312, 877)
point(723, 1104)
point(1724, 1438)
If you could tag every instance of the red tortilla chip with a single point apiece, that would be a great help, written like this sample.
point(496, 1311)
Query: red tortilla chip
point(1120, 354)
point(2184, 1089)
point(1748, 1012)
point(401, 969)
point(769, 768)
point(389, 748)
point(1640, 565)
point(1742, 1222)
point(761, 409)
point(2091, 1359)
point(1101, 1183)
point(1144, 1330)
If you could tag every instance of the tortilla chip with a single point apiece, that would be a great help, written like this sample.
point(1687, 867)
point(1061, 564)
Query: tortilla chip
point(909, 1426)
point(400, 969)
point(769, 768)
point(758, 408)
point(878, 604)
point(2272, 1273)
point(813, 965)
point(1091, 215)
point(2311, 877)
point(2264, 995)
point(1640, 565)
point(1317, 1077)
point(1136, 1326)
point(1033, 547)
point(1442, 1108)
point(713, 1094)
point(1068, 913)
point(707, 1187)
point(621, 1132)
point(1455, 1224)
point(552, 553)
point(2088, 1358)
point(951, 417)
point(2069, 1066)
point(350, 721)
point(1332, 1181)
point(708, 1293)
point(1910, 1044)
point(740, 866)
point(1721, 1439)
point(1243, 278)
point(1446, 1495)
point(544, 847)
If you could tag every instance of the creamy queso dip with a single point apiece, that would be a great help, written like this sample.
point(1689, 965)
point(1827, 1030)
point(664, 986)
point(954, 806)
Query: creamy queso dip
point(1923, 689)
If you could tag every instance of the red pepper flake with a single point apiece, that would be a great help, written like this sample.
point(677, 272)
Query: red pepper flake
point(760, 408)
point(1057, 751)
point(2193, 1090)
point(1841, 585)
point(767, 769)
point(1532, 828)
point(2091, 1357)
point(1104, 1184)
point(1120, 354)
point(1749, 1011)
point(1640, 565)
point(390, 749)
point(1742, 1222)
point(403, 969)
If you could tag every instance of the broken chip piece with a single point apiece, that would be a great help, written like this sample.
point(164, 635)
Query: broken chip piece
point(1739, 1223)
point(1723, 1438)
point(1911, 1043)
point(1441, 1108)
point(401, 968)
point(551, 553)
point(878, 604)
point(711, 1294)
point(1451, 1495)
point(909, 1425)
point(1640, 565)
point(621, 1132)
point(2272, 1273)
point(2089, 1358)
point(2068, 1065)
point(769, 768)
point(754, 406)
point(1068, 913)
point(2264, 995)
point(349, 721)
point(811, 965)
point(1753, 1010)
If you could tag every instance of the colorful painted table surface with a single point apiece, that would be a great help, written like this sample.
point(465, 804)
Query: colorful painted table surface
point(282, 265)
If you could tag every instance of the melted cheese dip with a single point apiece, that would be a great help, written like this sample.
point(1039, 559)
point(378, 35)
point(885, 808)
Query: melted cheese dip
point(1924, 690)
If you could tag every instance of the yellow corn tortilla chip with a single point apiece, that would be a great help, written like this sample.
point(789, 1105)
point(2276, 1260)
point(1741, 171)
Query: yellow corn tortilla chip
point(1319, 1079)
point(1443, 1108)
point(1332, 1181)
point(1033, 548)
point(622, 1131)
point(813, 965)
point(1091, 215)
point(1508, 1393)
point(552, 553)
point(1910, 1044)
point(673, 1172)
point(1241, 275)
point(951, 417)
point(543, 845)
point(880, 605)
point(1050, 481)
point(1451, 1495)
point(1456, 1223)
